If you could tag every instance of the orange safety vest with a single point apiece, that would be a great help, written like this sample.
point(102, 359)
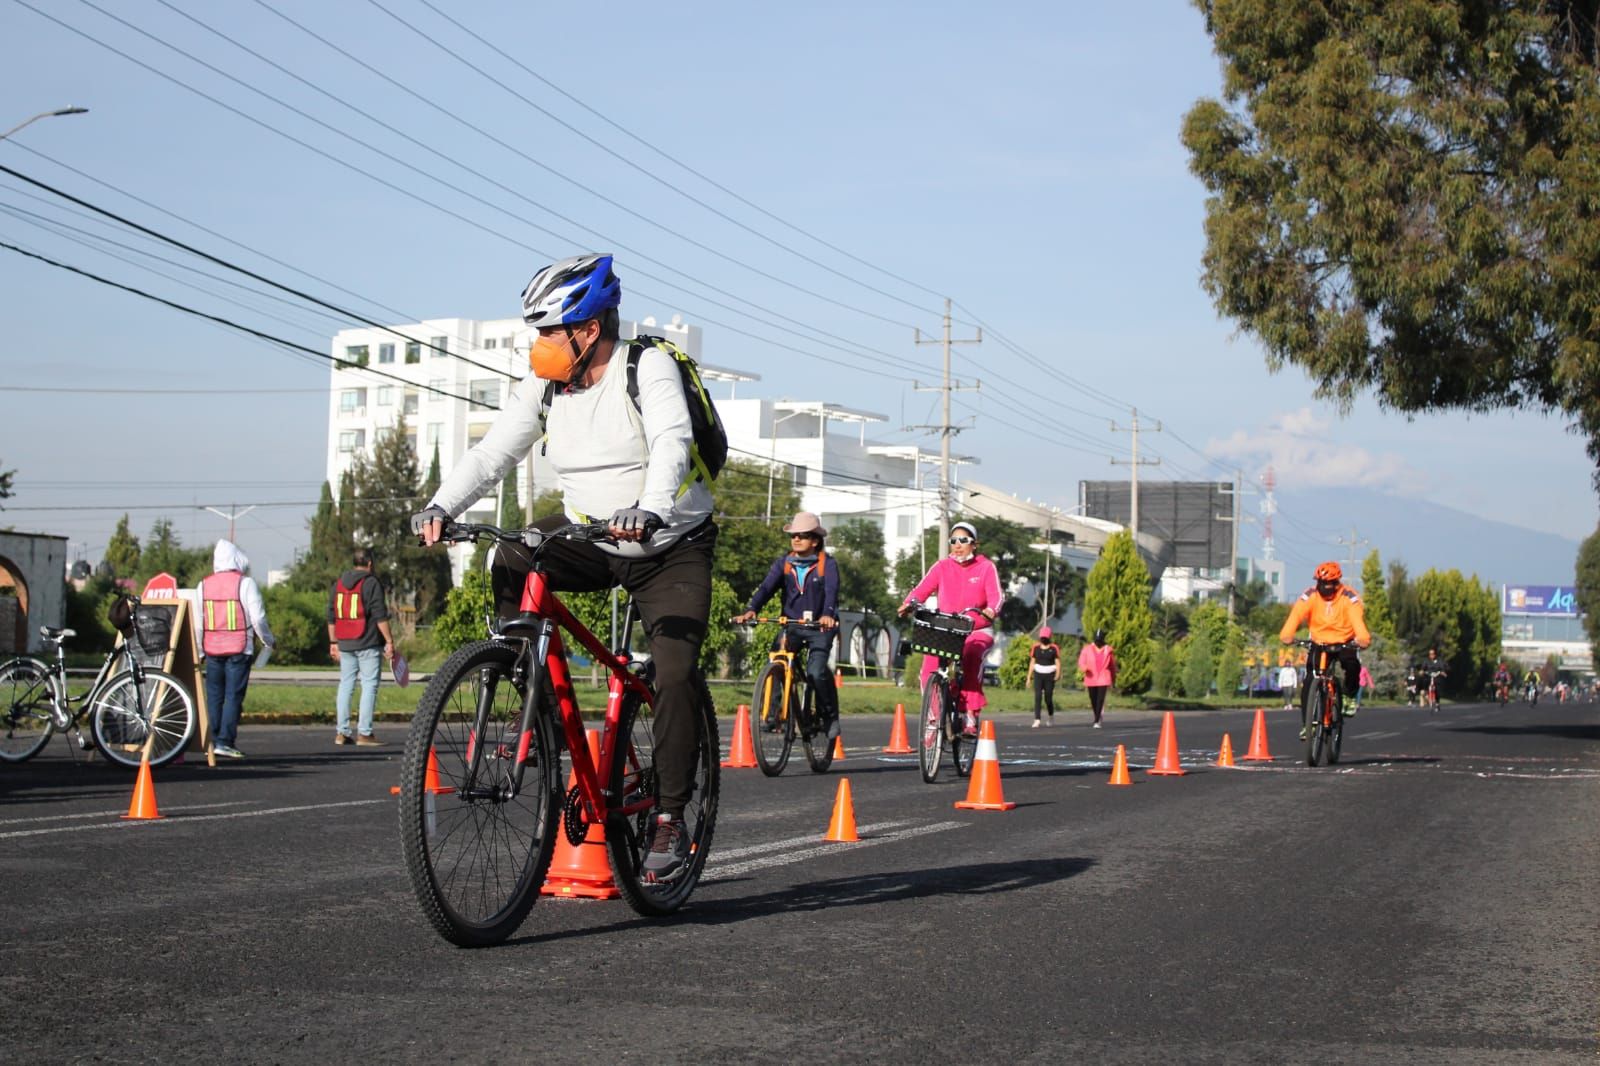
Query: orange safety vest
point(226, 630)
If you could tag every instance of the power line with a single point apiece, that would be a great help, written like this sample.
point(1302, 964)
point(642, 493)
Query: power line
point(291, 345)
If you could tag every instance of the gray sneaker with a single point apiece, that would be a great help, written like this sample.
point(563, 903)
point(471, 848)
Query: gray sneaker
point(226, 751)
point(668, 852)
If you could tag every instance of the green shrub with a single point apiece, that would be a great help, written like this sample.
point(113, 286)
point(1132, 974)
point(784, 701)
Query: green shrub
point(465, 610)
point(299, 622)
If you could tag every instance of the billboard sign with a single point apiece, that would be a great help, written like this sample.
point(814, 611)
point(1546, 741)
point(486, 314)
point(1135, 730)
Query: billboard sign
point(1191, 516)
point(1538, 599)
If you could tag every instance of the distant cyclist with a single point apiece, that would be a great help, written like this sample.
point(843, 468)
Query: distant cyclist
point(1530, 685)
point(965, 582)
point(809, 580)
point(1335, 615)
point(1428, 675)
point(615, 458)
point(1502, 682)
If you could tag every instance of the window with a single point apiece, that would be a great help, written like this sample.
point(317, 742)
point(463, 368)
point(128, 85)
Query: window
point(441, 345)
point(489, 344)
point(409, 407)
point(385, 395)
point(508, 342)
point(484, 393)
point(476, 433)
point(904, 526)
point(438, 385)
point(352, 440)
point(411, 442)
point(385, 353)
point(352, 401)
point(356, 353)
point(434, 429)
point(413, 351)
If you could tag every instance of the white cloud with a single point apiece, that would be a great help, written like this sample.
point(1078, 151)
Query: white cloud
point(1303, 453)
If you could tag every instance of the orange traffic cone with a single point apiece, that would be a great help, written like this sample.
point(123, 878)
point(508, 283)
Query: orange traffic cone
point(1258, 740)
point(899, 743)
point(741, 752)
point(838, 679)
point(1167, 750)
point(1119, 768)
point(983, 790)
point(1225, 757)
point(838, 747)
point(430, 782)
point(143, 805)
point(842, 826)
point(581, 871)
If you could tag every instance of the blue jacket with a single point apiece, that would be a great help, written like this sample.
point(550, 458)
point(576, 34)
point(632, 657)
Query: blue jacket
point(803, 589)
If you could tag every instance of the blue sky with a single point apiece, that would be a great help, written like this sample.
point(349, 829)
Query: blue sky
point(1025, 162)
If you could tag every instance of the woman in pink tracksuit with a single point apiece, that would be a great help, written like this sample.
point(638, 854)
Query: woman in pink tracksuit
point(964, 582)
point(1099, 665)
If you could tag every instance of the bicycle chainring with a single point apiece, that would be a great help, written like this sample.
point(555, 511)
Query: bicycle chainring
point(572, 819)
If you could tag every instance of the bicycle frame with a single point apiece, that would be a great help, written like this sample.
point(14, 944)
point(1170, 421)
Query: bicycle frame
point(547, 655)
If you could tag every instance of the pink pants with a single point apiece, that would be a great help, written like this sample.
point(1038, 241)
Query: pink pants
point(971, 697)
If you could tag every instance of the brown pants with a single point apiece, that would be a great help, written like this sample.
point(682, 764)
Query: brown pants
point(673, 591)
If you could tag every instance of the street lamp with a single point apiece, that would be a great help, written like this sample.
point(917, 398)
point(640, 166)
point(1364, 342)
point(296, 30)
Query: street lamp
point(44, 114)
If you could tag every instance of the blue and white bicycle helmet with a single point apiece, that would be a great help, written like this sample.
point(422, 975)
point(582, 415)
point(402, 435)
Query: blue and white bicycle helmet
point(573, 290)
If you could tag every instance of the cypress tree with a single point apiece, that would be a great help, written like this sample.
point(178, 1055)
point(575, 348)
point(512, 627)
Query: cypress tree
point(1376, 595)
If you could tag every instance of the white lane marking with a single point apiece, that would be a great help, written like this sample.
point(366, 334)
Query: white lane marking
point(794, 842)
point(113, 814)
point(717, 870)
point(190, 821)
point(1374, 736)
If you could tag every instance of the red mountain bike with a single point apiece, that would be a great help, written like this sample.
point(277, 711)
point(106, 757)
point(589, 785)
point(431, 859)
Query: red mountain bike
point(481, 782)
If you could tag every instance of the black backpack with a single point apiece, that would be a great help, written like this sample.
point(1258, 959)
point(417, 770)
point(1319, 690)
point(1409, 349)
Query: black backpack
point(709, 453)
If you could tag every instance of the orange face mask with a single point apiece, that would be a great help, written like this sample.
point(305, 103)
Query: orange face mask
point(553, 358)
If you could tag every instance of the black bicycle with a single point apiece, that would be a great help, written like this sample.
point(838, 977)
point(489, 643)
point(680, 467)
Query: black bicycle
point(1324, 704)
point(942, 636)
point(786, 705)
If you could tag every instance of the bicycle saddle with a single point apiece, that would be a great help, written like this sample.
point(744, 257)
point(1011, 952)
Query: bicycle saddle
point(56, 632)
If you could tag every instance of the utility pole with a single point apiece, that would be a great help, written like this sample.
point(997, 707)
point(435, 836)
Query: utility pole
point(232, 516)
point(1354, 544)
point(1135, 462)
point(945, 428)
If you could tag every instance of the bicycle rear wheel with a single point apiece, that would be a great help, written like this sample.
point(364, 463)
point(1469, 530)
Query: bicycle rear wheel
point(27, 697)
point(125, 716)
point(819, 746)
point(935, 709)
point(476, 856)
point(635, 790)
point(1315, 700)
point(771, 722)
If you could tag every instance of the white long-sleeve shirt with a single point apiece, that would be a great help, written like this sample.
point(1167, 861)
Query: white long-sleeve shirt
point(606, 455)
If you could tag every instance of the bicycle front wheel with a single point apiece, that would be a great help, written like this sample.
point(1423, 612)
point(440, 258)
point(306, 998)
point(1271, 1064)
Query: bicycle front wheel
point(27, 697)
point(1315, 700)
point(1333, 739)
point(477, 854)
point(935, 708)
point(963, 749)
point(772, 722)
point(156, 711)
point(635, 789)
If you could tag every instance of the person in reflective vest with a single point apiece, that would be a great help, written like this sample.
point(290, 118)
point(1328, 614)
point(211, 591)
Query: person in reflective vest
point(230, 609)
point(358, 640)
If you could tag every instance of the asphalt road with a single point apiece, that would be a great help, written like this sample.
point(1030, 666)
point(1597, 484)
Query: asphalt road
point(1432, 899)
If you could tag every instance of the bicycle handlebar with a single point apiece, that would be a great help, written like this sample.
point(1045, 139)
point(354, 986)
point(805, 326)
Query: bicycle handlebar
point(780, 619)
point(587, 532)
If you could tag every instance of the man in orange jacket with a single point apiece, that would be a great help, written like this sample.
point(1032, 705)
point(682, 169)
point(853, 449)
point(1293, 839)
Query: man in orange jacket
point(1336, 617)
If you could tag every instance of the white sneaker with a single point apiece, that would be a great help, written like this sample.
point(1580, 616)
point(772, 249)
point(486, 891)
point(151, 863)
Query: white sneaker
point(1097, 725)
point(1036, 723)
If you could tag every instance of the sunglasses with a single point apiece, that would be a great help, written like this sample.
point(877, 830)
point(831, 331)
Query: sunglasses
point(963, 540)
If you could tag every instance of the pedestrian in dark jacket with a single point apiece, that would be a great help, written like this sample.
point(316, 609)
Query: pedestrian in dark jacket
point(358, 640)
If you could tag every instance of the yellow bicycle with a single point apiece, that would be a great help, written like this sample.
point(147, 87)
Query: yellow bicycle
point(785, 704)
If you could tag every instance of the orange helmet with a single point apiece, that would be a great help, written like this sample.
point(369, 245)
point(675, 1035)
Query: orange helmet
point(1329, 571)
